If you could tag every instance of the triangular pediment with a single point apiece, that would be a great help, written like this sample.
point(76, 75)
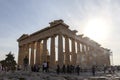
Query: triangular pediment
point(23, 37)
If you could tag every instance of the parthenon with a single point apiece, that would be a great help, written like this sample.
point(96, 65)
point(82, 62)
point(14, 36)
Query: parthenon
point(71, 49)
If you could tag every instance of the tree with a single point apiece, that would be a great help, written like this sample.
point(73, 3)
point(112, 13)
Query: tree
point(3, 63)
point(9, 62)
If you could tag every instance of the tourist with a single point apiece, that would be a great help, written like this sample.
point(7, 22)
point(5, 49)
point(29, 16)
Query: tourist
point(58, 69)
point(32, 68)
point(47, 68)
point(44, 66)
point(25, 63)
point(64, 69)
point(68, 69)
point(18, 67)
point(78, 69)
point(93, 70)
point(105, 68)
point(72, 68)
point(109, 70)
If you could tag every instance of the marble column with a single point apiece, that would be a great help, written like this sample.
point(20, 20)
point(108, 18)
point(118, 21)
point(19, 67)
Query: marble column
point(67, 52)
point(24, 53)
point(38, 52)
point(91, 55)
point(78, 47)
point(20, 55)
point(94, 57)
point(44, 54)
point(60, 50)
point(78, 62)
point(74, 56)
point(108, 59)
point(83, 59)
point(97, 57)
point(27, 50)
point(87, 55)
point(32, 53)
point(52, 52)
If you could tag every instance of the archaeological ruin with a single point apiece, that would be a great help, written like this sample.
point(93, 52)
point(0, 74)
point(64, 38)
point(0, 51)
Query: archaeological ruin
point(57, 44)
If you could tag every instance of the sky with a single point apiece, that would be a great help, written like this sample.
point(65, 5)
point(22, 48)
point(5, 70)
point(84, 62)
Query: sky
point(97, 19)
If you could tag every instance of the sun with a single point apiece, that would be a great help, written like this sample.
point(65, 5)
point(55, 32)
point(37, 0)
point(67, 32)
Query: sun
point(97, 29)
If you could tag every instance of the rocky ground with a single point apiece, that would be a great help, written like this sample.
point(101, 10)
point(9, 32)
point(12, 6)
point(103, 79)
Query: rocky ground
point(28, 75)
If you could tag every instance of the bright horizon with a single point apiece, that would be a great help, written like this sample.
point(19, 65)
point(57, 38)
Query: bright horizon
point(97, 19)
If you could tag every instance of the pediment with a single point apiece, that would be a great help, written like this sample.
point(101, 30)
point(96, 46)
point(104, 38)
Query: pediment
point(23, 37)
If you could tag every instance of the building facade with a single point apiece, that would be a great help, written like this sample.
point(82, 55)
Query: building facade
point(71, 48)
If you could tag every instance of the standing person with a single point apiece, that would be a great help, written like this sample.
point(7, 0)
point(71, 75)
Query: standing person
point(105, 68)
point(45, 66)
point(58, 69)
point(93, 70)
point(63, 69)
point(25, 63)
point(78, 69)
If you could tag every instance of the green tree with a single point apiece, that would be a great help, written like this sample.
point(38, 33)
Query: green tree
point(9, 61)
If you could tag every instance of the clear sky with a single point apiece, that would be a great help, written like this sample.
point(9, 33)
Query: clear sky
point(97, 19)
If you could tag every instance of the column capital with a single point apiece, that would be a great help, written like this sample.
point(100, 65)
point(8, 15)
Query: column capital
point(65, 36)
point(54, 35)
point(39, 40)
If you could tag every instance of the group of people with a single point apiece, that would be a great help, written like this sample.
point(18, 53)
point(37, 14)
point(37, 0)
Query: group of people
point(35, 67)
point(65, 68)
point(68, 69)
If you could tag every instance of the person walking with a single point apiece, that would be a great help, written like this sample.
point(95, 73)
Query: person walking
point(78, 69)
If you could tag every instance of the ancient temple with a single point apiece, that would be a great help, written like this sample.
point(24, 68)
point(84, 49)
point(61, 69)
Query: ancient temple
point(71, 48)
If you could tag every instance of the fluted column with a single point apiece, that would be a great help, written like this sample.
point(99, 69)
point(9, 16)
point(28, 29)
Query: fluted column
point(20, 55)
point(83, 49)
point(32, 53)
point(74, 56)
point(78, 47)
point(87, 55)
point(52, 52)
point(83, 55)
point(24, 53)
point(60, 50)
point(94, 57)
point(27, 50)
point(67, 52)
point(98, 57)
point(44, 54)
point(78, 62)
point(91, 56)
point(38, 52)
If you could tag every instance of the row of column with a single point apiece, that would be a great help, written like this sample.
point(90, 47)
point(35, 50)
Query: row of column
point(66, 57)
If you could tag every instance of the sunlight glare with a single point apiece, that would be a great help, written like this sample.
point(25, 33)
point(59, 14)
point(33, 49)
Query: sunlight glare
point(97, 29)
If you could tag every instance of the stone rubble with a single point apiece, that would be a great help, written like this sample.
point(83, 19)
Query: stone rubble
point(27, 75)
